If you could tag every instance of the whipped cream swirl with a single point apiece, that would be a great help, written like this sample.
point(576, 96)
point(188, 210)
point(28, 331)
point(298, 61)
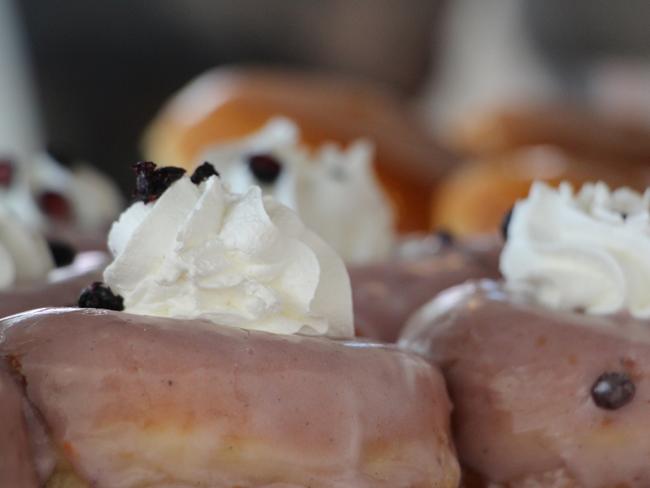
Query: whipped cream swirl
point(588, 251)
point(24, 255)
point(334, 190)
point(95, 200)
point(239, 260)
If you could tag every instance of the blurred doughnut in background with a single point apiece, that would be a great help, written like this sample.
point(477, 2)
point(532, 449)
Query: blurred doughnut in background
point(104, 69)
point(538, 91)
point(228, 104)
point(487, 77)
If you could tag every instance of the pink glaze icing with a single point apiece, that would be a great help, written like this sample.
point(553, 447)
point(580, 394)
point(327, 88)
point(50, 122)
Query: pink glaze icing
point(141, 401)
point(386, 294)
point(16, 466)
point(520, 377)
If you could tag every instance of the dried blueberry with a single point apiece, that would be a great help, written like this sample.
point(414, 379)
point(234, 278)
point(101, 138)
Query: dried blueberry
point(54, 205)
point(203, 172)
point(505, 223)
point(98, 295)
point(264, 167)
point(151, 182)
point(445, 237)
point(6, 172)
point(62, 253)
point(613, 390)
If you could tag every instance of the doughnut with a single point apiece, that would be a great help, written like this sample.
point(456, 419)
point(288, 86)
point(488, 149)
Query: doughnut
point(60, 290)
point(522, 380)
point(473, 199)
point(577, 132)
point(548, 368)
point(507, 149)
point(130, 400)
point(218, 351)
point(386, 294)
point(227, 104)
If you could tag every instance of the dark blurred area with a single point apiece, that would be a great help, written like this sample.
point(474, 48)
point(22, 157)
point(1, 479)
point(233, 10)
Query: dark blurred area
point(103, 69)
point(573, 36)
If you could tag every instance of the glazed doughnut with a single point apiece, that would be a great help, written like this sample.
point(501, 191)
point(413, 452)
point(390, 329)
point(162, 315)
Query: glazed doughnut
point(520, 378)
point(386, 294)
point(510, 148)
point(474, 198)
point(579, 133)
point(132, 400)
point(227, 104)
point(548, 369)
point(223, 356)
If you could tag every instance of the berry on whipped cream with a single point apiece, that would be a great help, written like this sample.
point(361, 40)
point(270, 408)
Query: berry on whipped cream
point(333, 190)
point(238, 259)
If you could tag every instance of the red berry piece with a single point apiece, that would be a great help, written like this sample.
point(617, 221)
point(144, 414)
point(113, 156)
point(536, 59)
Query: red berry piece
point(6, 173)
point(55, 205)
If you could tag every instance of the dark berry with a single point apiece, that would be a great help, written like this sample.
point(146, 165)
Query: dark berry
point(612, 390)
point(54, 205)
point(265, 168)
point(445, 237)
point(62, 253)
point(61, 154)
point(505, 223)
point(151, 182)
point(6, 172)
point(203, 172)
point(98, 295)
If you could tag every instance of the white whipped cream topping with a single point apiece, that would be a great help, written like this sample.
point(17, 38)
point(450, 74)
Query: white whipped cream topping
point(237, 259)
point(587, 251)
point(19, 200)
point(334, 190)
point(94, 198)
point(24, 255)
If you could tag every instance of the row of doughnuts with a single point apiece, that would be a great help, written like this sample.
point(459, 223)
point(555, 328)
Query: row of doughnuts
point(506, 150)
point(201, 369)
point(464, 186)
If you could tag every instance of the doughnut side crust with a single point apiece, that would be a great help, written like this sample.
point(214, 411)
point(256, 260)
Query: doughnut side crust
point(386, 294)
point(520, 377)
point(141, 401)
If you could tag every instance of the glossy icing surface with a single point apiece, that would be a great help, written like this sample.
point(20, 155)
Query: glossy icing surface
point(16, 467)
point(386, 294)
point(141, 401)
point(520, 377)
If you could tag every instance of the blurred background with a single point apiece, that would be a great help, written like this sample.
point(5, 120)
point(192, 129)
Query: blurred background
point(103, 69)
point(95, 74)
